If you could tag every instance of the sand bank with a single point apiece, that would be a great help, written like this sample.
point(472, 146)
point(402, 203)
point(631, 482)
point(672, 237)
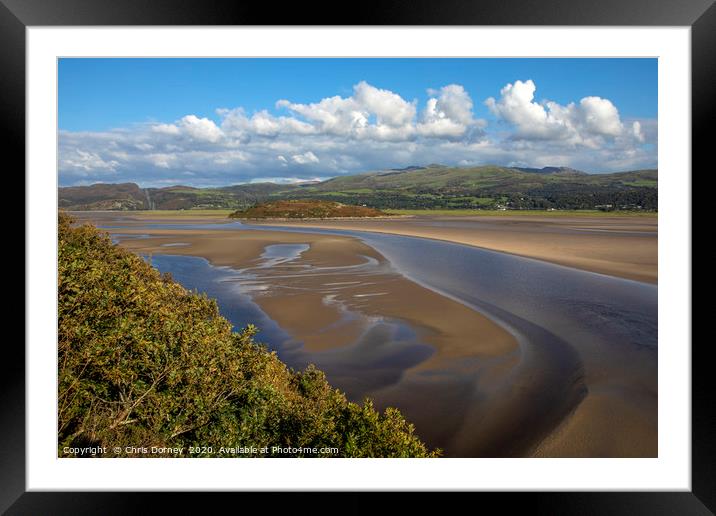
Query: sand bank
point(619, 246)
point(297, 302)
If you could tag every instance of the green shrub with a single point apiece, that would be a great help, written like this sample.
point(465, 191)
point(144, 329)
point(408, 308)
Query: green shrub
point(145, 363)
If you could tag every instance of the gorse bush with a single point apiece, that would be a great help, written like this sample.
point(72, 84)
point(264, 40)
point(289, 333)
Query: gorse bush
point(145, 364)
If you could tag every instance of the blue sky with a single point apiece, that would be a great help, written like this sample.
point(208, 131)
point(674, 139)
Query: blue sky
point(222, 121)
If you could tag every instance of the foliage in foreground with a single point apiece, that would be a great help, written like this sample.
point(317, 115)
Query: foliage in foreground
point(144, 363)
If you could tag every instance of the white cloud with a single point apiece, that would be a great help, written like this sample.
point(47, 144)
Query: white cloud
point(394, 117)
point(162, 160)
point(191, 126)
point(600, 116)
point(532, 120)
point(334, 115)
point(388, 107)
point(82, 161)
point(236, 124)
point(636, 132)
point(437, 124)
point(166, 129)
point(455, 104)
point(305, 158)
point(201, 129)
point(588, 123)
point(448, 113)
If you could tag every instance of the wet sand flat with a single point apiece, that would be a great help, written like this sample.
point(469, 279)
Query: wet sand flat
point(297, 302)
point(619, 246)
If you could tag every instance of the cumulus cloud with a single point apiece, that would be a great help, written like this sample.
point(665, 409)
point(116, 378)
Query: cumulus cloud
point(83, 162)
point(192, 127)
point(162, 160)
point(370, 113)
point(236, 124)
point(600, 116)
point(333, 115)
point(636, 132)
point(587, 123)
point(517, 107)
point(305, 158)
point(448, 113)
point(169, 129)
point(372, 128)
point(388, 107)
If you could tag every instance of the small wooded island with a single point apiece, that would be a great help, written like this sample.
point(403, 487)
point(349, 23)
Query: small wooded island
point(305, 209)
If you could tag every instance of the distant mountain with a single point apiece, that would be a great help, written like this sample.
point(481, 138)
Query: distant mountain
point(405, 169)
point(124, 196)
point(433, 186)
point(552, 170)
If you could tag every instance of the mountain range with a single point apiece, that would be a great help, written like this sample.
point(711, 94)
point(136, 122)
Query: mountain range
point(432, 186)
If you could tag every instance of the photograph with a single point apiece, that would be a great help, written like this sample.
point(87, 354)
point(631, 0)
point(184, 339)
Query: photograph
point(438, 250)
point(357, 257)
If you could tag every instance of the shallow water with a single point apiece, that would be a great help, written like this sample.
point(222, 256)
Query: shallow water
point(278, 254)
point(572, 303)
point(385, 348)
point(116, 237)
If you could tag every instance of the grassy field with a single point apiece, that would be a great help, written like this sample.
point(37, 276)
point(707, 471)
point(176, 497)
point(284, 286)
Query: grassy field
point(526, 213)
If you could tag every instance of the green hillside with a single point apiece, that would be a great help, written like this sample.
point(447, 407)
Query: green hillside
point(431, 187)
point(490, 178)
point(145, 363)
point(492, 187)
point(124, 196)
point(229, 197)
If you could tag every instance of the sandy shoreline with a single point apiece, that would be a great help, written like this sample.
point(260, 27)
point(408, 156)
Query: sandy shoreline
point(618, 246)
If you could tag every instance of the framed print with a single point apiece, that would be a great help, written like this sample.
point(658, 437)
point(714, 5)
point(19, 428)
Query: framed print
point(423, 257)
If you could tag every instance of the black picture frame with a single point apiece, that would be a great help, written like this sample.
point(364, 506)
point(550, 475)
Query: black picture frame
point(17, 15)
